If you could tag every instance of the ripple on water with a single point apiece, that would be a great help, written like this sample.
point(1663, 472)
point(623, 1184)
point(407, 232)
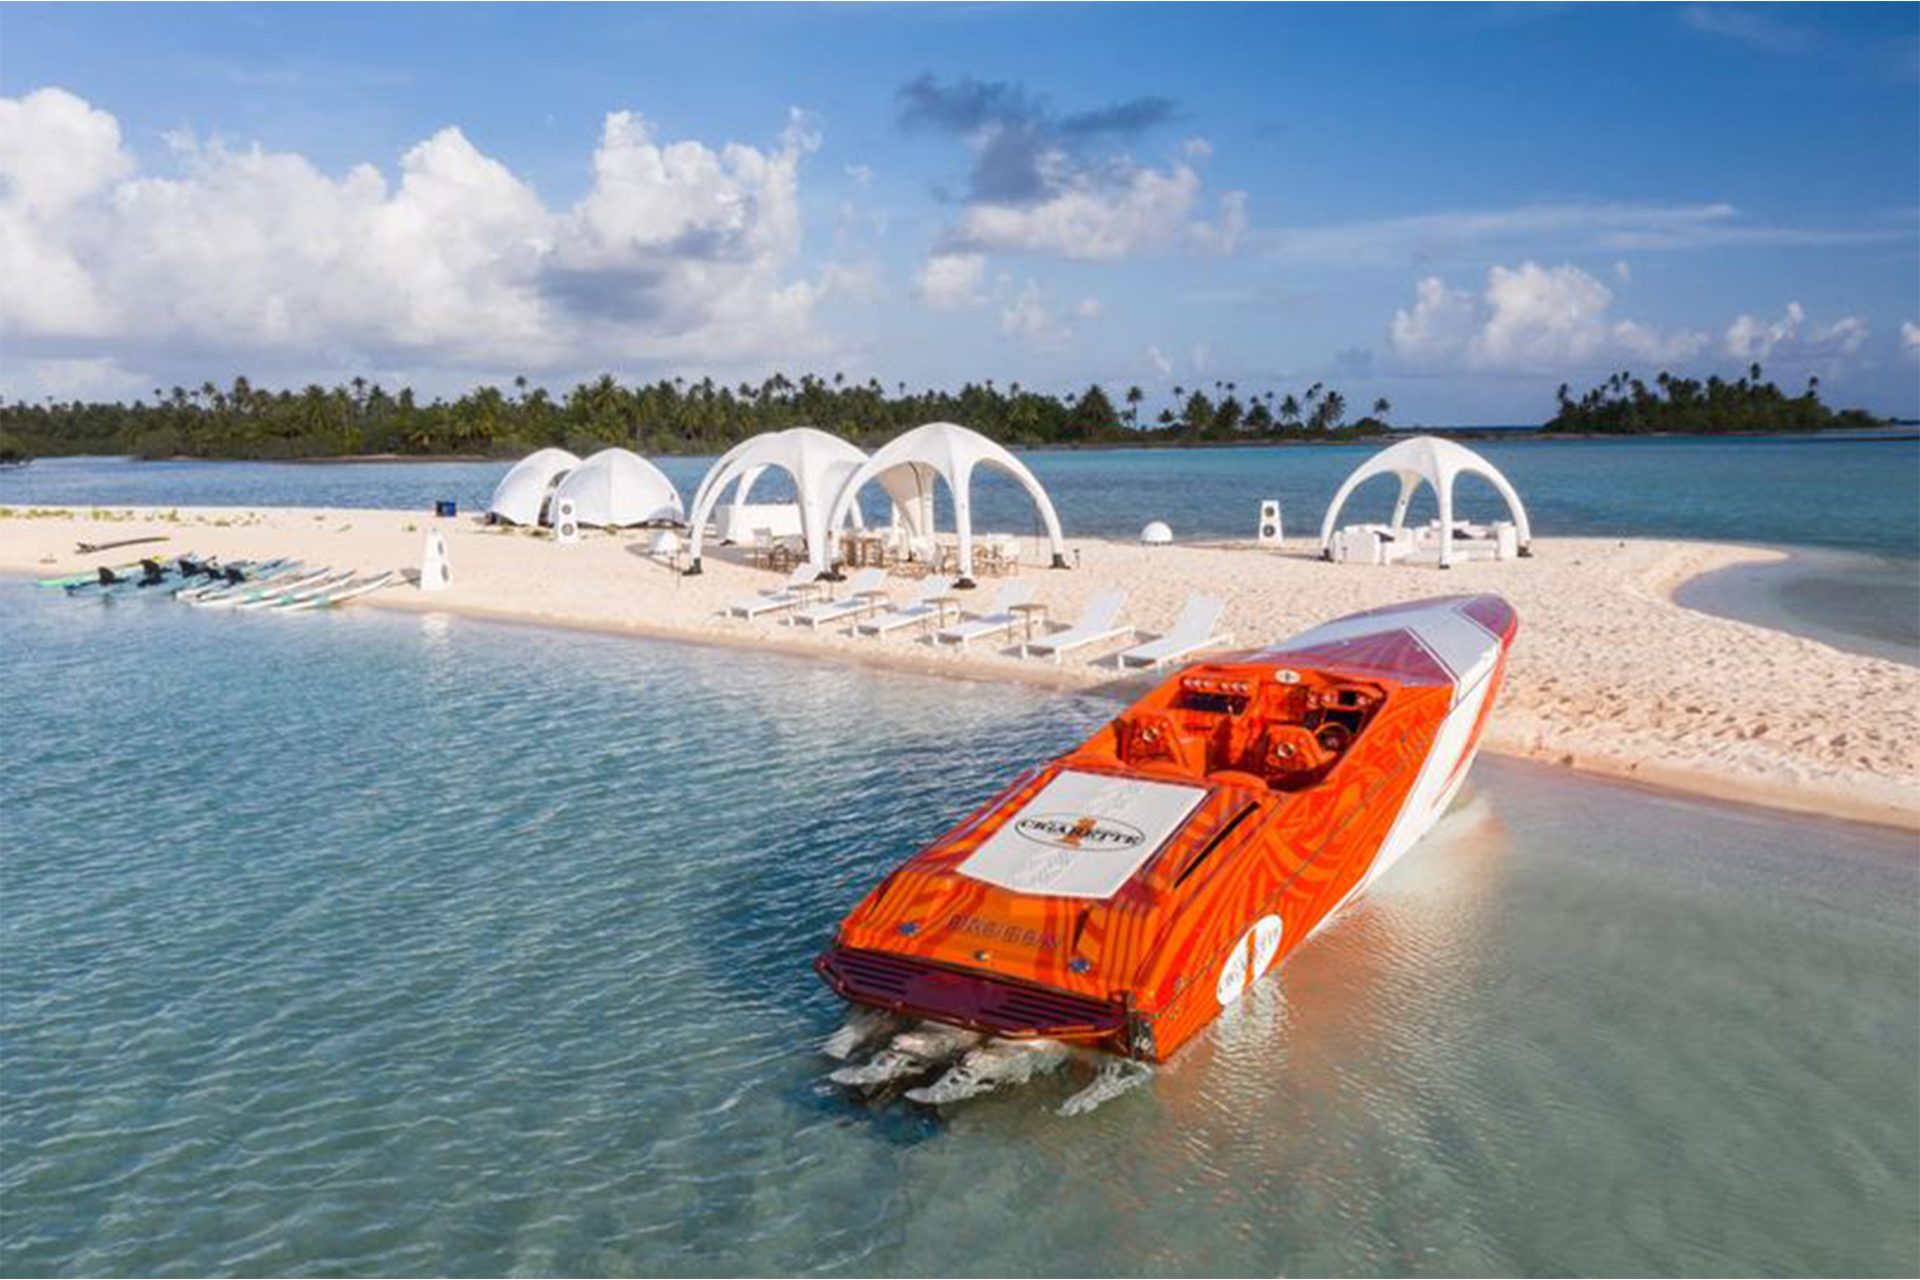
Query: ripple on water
point(397, 945)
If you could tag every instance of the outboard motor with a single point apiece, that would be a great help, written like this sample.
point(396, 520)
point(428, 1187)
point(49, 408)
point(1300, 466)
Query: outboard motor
point(232, 575)
point(108, 577)
point(151, 573)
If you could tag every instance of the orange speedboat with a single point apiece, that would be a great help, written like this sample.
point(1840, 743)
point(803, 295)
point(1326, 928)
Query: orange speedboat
point(1123, 895)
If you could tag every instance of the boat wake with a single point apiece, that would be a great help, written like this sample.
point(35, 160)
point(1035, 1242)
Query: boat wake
point(936, 1065)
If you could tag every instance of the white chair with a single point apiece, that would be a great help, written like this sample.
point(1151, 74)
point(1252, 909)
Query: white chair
point(996, 621)
point(1195, 629)
point(1099, 621)
point(925, 552)
point(916, 609)
point(782, 598)
point(819, 615)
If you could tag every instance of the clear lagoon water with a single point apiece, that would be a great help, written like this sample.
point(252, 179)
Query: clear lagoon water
point(378, 943)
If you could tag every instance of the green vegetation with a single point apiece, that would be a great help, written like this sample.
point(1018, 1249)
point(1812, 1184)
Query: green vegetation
point(1624, 405)
point(669, 416)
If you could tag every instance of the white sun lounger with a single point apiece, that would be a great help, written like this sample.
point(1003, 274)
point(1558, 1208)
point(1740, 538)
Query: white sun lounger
point(784, 597)
point(996, 621)
point(819, 615)
point(1099, 621)
point(916, 609)
point(1195, 629)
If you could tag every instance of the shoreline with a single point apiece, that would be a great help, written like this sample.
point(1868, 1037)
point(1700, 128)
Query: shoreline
point(1611, 676)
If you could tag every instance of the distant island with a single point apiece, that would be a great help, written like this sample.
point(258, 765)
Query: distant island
point(671, 416)
point(1624, 405)
point(675, 416)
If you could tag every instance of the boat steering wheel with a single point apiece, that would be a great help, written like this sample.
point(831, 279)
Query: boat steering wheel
point(1291, 748)
point(1153, 738)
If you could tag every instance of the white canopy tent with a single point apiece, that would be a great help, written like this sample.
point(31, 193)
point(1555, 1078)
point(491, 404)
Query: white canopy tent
point(1428, 460)
point(907, 467)
point(521, 495)
point(818, 464)
point(619, 487)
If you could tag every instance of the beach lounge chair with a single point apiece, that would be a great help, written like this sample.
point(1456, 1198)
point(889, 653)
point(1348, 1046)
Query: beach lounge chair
point(779, 600)
point(996, 621)
point(916, 609)
point(1099, 621)
point(848, 606)
point(1195, 629)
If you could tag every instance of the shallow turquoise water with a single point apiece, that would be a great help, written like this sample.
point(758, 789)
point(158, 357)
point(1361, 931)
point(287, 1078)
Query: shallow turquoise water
point(379, 943)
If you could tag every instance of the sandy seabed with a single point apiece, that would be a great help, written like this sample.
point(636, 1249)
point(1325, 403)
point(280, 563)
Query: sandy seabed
point(1608, 674)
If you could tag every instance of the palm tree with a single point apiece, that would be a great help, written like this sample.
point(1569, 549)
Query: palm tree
point(1134, 396)
point(1382, 407)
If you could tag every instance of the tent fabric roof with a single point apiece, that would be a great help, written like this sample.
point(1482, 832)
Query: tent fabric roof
point(619, 487)
point(819, 464)
point(523, 490)
point(906, 465)
point(1428, 460)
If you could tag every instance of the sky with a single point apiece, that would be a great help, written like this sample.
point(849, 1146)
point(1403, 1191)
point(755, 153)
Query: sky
point(1453, 207)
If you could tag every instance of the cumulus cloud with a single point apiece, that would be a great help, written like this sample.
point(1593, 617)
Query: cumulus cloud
point(1065, 184)
point(950, 280)
point(676, 250)
point(1027, 319)
point(1790, 337)
point(1528, 318)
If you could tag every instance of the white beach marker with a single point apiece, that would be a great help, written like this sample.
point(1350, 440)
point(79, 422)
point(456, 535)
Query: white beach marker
point(1270, 532)
point(434, 574)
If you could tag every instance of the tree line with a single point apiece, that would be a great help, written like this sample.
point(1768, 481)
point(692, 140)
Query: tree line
point(1625, 405)
point(664, 417)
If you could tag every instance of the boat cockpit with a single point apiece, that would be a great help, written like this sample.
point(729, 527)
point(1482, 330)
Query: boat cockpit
point(1247, 725)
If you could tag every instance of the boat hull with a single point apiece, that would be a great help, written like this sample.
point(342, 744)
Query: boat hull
point(1126, 894)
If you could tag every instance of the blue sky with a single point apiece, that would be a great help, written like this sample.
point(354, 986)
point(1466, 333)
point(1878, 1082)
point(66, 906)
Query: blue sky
point(1455, 207)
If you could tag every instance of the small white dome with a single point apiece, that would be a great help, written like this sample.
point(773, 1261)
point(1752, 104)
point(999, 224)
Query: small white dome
point(1156, 534)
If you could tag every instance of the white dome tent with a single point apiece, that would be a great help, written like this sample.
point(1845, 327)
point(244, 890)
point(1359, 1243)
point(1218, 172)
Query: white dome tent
point(619, 487)
point(819, 465)
point(521, 496)
point(907, 465)
point(1433, 461)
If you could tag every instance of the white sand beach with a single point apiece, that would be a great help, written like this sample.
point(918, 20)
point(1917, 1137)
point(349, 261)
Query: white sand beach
point(1608, 675)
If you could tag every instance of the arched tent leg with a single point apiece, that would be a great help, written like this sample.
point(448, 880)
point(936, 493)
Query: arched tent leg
point(963, 526)
point(693, 570)
point(1446, 521)
point(1409, 485)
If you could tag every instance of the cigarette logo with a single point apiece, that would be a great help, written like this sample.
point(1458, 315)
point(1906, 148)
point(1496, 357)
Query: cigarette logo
point(1080, 831)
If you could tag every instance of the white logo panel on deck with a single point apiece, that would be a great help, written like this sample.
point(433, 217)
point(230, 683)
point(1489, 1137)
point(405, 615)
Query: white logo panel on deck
point(1082, 835)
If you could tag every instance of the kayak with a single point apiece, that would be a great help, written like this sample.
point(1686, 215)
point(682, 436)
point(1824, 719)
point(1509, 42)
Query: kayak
point(247, 593)
point(353, 590)
point(339, 594)
point(271, 599)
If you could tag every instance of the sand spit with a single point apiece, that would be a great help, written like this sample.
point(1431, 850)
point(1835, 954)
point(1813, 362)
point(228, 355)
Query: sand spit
point(1608, 675)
